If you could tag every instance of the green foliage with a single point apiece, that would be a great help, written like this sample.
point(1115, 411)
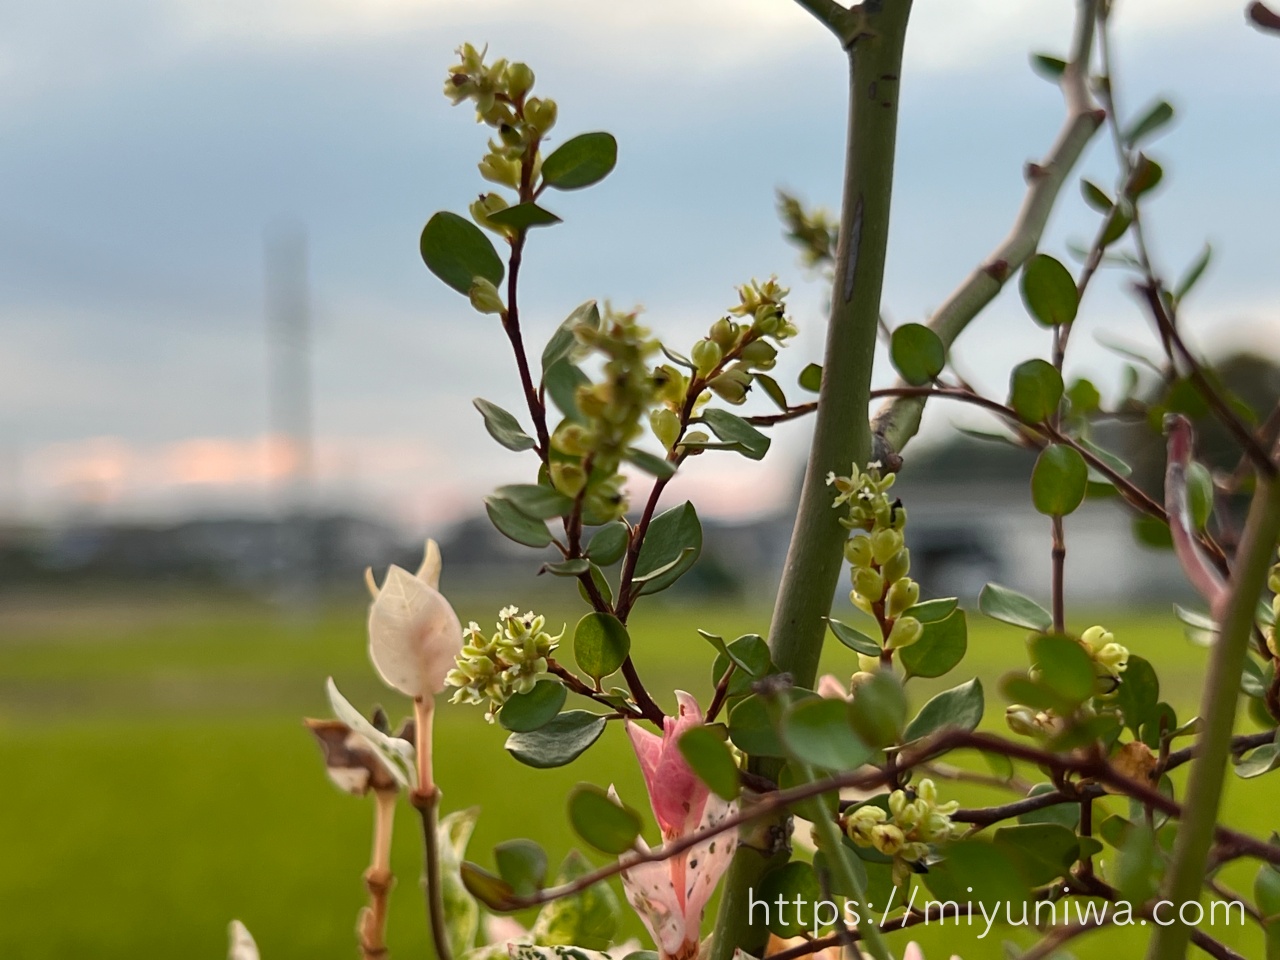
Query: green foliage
point(1009, 606)
point(516, 525)
point(522, 865)
point(1035, 390)
point(561, 741)
point(879, 710)
point(526, 712)
point(504, 427)
point(817, 731)
point(580, 161)
point(918, 353)
point(600, 644)
point(457, 252)
point(794, 882)
point(960, 707)
point(1049, 291)
point(670, 549)
point(941, 646)
point(1059, 480)
point(709, 757)
point(611, 827)
point(1154, 119)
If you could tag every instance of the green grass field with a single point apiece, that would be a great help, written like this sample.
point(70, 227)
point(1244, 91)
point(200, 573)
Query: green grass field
point(157, 781)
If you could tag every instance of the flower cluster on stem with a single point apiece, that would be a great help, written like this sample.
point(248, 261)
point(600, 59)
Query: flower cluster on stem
point(909, 829)
point(509, 661)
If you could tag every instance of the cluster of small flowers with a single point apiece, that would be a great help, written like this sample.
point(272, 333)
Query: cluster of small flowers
point(1273, 632)
point(1110, 657)
point(909, 827)
point(815, 232)
point(878, 557)
point(511, 661)
point(612, 412)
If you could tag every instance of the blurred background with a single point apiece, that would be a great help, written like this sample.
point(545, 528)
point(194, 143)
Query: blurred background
point(228, 385)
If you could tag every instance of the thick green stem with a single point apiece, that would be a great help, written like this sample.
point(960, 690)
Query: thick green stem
point(1218, 714)
point(874, 34)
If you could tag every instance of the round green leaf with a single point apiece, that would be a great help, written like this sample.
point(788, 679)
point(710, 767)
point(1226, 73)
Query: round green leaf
point(941, 646)
point(457, 251)
point(580, 161)
point(535, 500)
point(522, 864)
point(524, 712)
point(517, 526)
point(879, 709)
point(503, 426)
point(960, 707)
point(609, 543)
point(559, 742)
point(608, 826)
point(1059, 480)
point(600, 644)
point(817, 731)
point(1064, 666)
point(709, 757)
point(1035, 390)
point(811, 378)
point(751, 728)
point(1049, 291)
point(794, 883)
point(917, 353)
point(1009, 606)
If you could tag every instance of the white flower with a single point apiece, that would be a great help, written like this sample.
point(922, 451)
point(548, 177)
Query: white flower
point(242, 945)
point(414, 635)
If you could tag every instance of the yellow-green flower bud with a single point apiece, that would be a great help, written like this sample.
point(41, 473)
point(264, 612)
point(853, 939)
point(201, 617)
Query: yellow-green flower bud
point(861, 679)
point(485, 206)
point(568, 478)
point(885, 545)
point(519, 80)
point(731, 385)
point(857, 550)
point(897, 566)
point(666, 426)
point(500, 170)
point(887, 838)
point(905, 631)
point(706, 356)
point(485, 297)
point(899, 513)
point(869, 583)
point(540, 114)
point(868, 664)
point(760, 354)
point(1021, 720)
point(570, 438)
point(670, 385)
point(903, 595)
point(725, 332)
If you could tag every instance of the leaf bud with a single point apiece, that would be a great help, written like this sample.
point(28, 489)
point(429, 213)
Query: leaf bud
point(519, 80)
point(485, 297)
point(706, 356)
point(903, 595)
point(868, 583)
point(905, 632)
point(666, 426)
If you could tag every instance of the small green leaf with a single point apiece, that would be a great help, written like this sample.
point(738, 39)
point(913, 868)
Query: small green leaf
point(525, 712)
point(1048, 66)
point(457, 251)
point(959, 707)
point(1146, 176)
point(1035, 390)
point(879, 710)
point(1043, 852)
point(564, 340)
point(817, 731)
point(1059, 480)
point(1200, 493)
point(709, 757)
point(567, 568)
point(608, 826)
point(522, 864)
point(1095, 196)
point(522, 216)
point(535, 500)
point(600, 644)
point(494, 892)
point(562, 380)
point(675, 535)
point(1266, 892)
point(1257, 762)
point(1139, 694)
point(941, 646)
point(1009, 606)
point(855, 640)
point(811, 378)
point(1084, 397)
point(561, 741)
point(918, 353)
point(772, 390)
point(655, 466)
point(931, 611)
point(587, 919)
point(1138, 867)
point(1157, 115)
point(609, 543)
point(1119, 220)
point(514, 525)
point(1049, 291)
point(979, 872)
point(503, 427)
point(749, 653)
point(732, 429)
point(1193, 274)
point(751, 728)
point(1063, 666)
point(794, 882)
point(580, 161)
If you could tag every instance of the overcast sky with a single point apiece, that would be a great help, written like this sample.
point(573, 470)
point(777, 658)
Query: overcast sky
point(148, 146)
